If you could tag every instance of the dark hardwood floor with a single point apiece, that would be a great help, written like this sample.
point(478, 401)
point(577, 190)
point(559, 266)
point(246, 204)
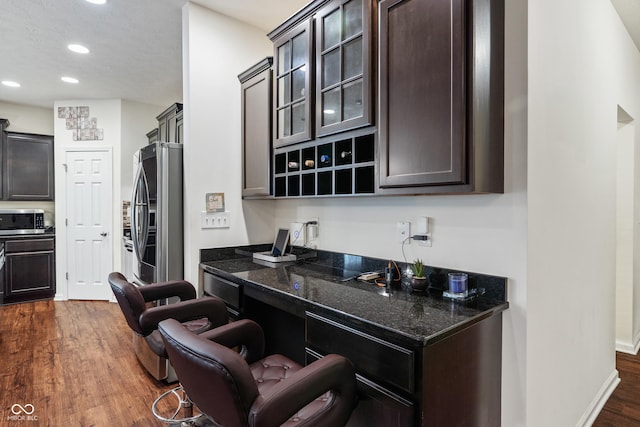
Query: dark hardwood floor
point(74, 362)
point(623, 407)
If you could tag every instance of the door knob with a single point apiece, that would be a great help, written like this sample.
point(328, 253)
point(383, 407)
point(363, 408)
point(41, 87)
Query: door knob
point(104, 234)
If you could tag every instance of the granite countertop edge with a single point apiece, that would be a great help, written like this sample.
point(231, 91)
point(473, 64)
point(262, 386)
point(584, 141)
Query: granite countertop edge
point(377, 328)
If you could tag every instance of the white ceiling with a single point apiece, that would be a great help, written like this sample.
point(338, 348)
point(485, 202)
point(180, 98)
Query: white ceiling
point(136, 46)
point(629, 11)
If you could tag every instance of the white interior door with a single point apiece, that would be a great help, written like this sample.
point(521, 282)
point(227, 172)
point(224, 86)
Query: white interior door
point(89, 188)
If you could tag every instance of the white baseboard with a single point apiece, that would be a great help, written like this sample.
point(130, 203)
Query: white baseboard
point(629, 348)
point(599, 400)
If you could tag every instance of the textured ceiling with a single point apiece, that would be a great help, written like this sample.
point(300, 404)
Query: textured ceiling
point(136, 46)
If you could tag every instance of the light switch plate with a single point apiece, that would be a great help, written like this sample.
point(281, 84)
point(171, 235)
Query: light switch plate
point(215, 220)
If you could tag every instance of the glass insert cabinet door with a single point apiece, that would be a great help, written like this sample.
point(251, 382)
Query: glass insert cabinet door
point(292, 85)
point(343, 88)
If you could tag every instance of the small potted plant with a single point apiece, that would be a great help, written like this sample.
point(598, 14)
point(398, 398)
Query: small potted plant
point(418, 281)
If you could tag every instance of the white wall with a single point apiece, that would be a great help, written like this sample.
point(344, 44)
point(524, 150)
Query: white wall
point(582, 64)
point(125, 125)
point(23, 118)
point(216, 49)
point(108, 114)
point(625, 225)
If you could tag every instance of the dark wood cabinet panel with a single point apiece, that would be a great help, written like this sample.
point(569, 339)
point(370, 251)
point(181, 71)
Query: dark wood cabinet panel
point(422, 92)
point(180, 127)
point(464, 371)
point(441, 96)
point(29, 269)
point(28, 167)
point(256, 84)
point(373, 356)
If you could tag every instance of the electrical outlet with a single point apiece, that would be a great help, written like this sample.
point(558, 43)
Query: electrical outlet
point(312, 229)
point(404, 231)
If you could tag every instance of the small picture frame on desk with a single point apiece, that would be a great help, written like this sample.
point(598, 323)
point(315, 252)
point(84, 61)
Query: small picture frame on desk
point(214, 202)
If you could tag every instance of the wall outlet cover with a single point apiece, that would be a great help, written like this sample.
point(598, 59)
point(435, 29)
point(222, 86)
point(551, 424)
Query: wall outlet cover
point(297, 235)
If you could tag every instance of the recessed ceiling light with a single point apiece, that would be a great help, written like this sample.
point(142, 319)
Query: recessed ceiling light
point(10, 83)
point(69, 80)
point(78, 48)
point(97, 1)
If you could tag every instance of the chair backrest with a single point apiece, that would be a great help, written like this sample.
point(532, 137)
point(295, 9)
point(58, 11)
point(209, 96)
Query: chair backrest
point(217, 379)
point(129, 299)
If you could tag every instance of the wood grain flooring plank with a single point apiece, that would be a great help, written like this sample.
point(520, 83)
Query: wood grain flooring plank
point(623, 407)
point(74, 362)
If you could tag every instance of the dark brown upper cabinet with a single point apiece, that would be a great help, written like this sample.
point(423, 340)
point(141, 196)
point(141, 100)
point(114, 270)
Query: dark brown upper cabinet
point(170, 124)
point(441, 102)
point(256, 84)
point(343, 66)
point(292, 88)
point(28, 167)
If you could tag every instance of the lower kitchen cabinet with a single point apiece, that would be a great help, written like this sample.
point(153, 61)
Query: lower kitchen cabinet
point(453, 379)
point(29, 269)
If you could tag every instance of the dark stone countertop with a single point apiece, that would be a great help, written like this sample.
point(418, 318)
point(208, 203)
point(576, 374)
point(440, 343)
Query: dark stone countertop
point(321, 284)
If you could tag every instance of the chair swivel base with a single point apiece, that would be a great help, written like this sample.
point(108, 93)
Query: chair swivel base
point(185, 405)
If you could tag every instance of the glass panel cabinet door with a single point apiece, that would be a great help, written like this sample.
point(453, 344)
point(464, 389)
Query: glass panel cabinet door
point(343, 61)
point(292, 85)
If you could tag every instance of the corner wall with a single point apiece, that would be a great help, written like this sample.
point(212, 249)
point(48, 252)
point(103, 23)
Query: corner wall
point(216, 49)
point(582, 65)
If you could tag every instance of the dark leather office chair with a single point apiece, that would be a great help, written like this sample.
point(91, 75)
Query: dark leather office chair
point(197, 315)
point(200, 315)
point(244, 388)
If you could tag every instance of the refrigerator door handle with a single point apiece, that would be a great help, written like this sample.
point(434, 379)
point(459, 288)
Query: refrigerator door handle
point(138, 230)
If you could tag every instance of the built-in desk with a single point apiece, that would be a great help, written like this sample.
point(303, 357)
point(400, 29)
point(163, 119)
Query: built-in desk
point(421, 360)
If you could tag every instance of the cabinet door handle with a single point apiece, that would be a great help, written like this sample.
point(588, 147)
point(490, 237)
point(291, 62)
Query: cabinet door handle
point(104, 234)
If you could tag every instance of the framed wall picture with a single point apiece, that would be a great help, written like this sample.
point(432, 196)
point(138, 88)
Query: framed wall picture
point(215, 202)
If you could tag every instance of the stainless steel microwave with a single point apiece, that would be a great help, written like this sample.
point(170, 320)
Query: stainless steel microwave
point(21, 221)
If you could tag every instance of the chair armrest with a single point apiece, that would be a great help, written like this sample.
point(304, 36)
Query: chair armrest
point(245, 333)
point(173, 288)
point(331, 373)
point(212, 308)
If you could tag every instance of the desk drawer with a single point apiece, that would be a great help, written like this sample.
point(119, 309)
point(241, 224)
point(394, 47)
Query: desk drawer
point(372, 356)
point(228, 291)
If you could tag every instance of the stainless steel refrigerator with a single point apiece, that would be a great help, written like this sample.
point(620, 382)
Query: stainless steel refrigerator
point(156, 214)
